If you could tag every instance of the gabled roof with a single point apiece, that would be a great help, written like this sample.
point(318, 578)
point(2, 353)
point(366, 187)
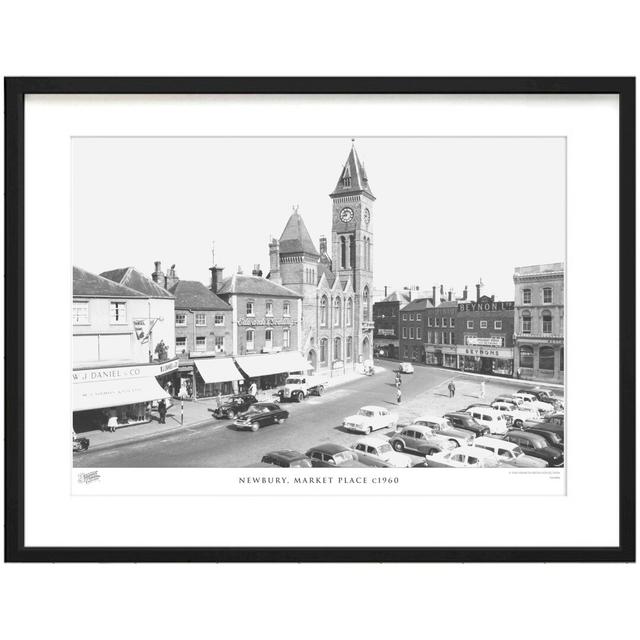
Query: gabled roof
point(354, 171)
point(448, 303)
point(255, 286)
point(295, 238)
point(419, 305)
point(325, 270)
point(134, 279)
point(91, 285)
point(191, 294)
point(397, 296)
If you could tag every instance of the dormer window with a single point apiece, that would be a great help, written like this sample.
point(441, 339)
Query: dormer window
point(346, 181)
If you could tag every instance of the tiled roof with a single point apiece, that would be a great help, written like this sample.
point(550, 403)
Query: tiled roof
point(325, 269)
point(295, 238)
point(91, 285)
point(397, 296)
point(134, 279)
point(255, 286)
point(354, 170)
point(448, 303)
point(191, 294)
point(419, 305)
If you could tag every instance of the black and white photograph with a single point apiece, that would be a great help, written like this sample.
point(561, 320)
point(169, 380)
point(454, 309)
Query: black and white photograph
point(327, 302)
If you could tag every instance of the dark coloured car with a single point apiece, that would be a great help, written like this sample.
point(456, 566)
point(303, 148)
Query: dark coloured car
point(261, 414)
point(552, 438)
point(333, 455)
point(534, 445)
point(554, 418)
point(547, 426)
point(287, 458)
point(234, 406)
point(465, 421)
point(80, 443)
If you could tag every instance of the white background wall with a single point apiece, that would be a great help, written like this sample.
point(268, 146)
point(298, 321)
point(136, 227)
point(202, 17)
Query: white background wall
point(335, 38)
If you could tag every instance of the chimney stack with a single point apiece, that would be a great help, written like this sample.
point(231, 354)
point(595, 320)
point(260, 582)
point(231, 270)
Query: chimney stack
point(171, 279)
point(433, 290)
point(256, 271)
point(465, 292)
point(274, 261)
point(478, 292)
point(323, 245)
point(157, 276)
point(385, 290)
point(450, 294)
point(216, 278)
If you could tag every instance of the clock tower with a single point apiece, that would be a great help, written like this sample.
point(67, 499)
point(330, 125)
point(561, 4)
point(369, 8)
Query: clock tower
point(352, 246)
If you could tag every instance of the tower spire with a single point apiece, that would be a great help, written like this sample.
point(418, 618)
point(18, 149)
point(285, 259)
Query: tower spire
point(353, 178)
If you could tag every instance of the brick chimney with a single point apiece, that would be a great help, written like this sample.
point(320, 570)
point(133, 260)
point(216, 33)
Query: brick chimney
point(465, 292)
point(171, 279)
point(323, 245)
point(478, 292)
point(433, 289)
point(450, 295)
point(257, 271)
point(157, 276)
point(274, 261)
point(216, 278)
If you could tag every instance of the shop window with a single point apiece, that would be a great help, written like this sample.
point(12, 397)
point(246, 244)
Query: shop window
point(118, 313)
point(526, 296)
point(469, 324)
point(80, 313)
point(323, 311)
point(349, 312)
point(200, 320)
point(323, 350)
point(337, 349)
point(201, 343)
point(546, 322)
point(181, 344)
point(269, 309)
point(349, 348)
point(250, 308)
point(337, 312)
point(483, 324)
point(547, 295)
point(286, 309)
point(250, 338)
point(219, 342)
point(526, 322)
point(497, 324)
point(268, 338)
point(526, 357)
point(546, 359)
point(219, 320)
point(286, 338)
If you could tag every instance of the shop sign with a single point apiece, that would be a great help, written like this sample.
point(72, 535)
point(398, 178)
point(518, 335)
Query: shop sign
point(484, 342)
point(165, 367)
point(486, 352)
point(120, 373)
point(485, 305)
point(386, 332)
point(338, 364)
point(268, 322)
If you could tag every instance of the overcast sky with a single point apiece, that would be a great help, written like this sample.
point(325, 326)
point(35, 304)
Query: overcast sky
point(448, 210)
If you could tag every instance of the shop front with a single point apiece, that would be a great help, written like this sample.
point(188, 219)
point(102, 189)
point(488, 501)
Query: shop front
point(114, 397)
point(216, 376)
point(488, 360)
point(449, 356)
point(433, 355)
point(270, 370)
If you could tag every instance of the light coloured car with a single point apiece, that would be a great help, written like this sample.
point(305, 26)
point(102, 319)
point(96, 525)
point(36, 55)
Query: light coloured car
point(371, 418)
point(466, 456)
point(518, 415)
point(443, 427)
point(509, 454)
point(531, 400)
point(406, 367)
point(381, 448)
point(489, 417)
point(421, 440)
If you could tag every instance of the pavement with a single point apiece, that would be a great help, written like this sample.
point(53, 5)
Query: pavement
point(206, 442)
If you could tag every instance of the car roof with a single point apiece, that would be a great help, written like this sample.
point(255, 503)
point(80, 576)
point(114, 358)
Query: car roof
point(372, 407)
point(458, 414)
point(471, 451)
point(330, 448)
point(482, 407)
point(495, 442)
point(373, 441)
point(528, 434)
point(289, 454)
point(430, 419)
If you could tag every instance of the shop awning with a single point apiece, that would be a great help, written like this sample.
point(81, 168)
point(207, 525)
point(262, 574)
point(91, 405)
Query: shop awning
point(116, 393)
point(218, 370)
point(271, 363)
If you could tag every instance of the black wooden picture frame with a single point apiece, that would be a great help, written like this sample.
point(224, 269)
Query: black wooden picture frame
point(15, 91)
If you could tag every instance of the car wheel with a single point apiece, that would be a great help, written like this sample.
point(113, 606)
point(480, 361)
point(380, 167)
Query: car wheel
point(254, 427)
point(518, 424)
point(231, 415)
point(455, 443)
point(369, 430)
point(299, 397)
point(320, 390)
point(398, 445)
point(279, 420)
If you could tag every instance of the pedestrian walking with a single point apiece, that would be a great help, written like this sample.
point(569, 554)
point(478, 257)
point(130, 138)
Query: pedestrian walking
point(399, 395)
point(253, 389)
point(219, 399)
point(519, 372)
point(162, 410)
point(452, 389)
point(482, 384)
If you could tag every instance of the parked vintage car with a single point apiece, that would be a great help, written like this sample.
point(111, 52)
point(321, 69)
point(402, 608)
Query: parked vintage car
point(333, 455)
point(80, 443)
point(547, 426)
point(421, 440)
point(370, 418)
point(517, 400)
point(261, 414)
point(534, 445)
point(466, 456)
point(286, 458)
point(553, 439)
point(406, 367)
point(234, 406)
point(495, 420)
point(518, 416)
point(530, 399)
point(442, 427)
point(554, 418)
point(509, 454)
point(381, 449)
point(462, 420)
point(544, 395)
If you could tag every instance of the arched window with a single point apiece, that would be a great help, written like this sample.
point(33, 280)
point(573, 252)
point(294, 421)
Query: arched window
point(349, 348)
point(337, 312)
point(323, 311)
point(546, 359)
point(343, 252)
point(352, 251)
point(323, 350)
point(365, 304)
point(337, 349)
point(546, 322)
point(526, 322)
point(349, 312)
point(526, 357)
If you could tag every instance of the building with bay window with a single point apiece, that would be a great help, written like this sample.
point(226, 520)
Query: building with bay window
point(539, 322)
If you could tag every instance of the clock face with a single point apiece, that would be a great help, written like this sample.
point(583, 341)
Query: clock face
point(346, 215)
point(367, 216)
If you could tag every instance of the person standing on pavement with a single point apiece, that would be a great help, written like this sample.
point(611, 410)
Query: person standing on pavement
point(162, 410)
point(399, 394)
point(219, 399)
point(253, 389)
point(482, 384)
point(452, 389)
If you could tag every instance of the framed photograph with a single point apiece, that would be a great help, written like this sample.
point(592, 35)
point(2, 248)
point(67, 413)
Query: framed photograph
point(320, 319)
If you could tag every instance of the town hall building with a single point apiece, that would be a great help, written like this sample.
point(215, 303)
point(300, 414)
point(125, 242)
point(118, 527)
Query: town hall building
point(336, 289)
